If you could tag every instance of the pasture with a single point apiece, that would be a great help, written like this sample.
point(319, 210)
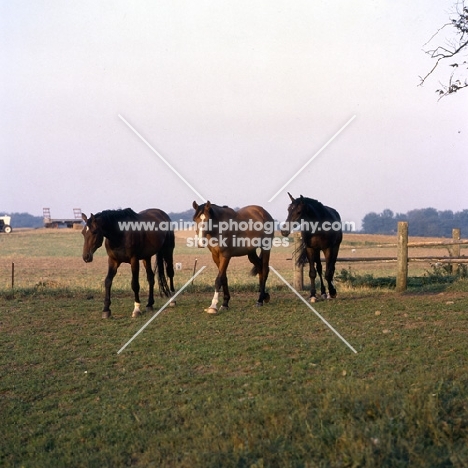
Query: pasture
point(248, 387)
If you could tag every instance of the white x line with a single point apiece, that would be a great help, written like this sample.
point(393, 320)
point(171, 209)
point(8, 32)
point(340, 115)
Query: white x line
point(161, 309)
point(312, 158)
point(313, 310)
point(162, 159)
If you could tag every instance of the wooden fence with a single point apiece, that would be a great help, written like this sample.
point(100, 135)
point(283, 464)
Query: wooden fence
point(402, 258)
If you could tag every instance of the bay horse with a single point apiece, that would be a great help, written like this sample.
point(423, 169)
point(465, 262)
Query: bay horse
point(146, 234)
point(321, 230)
point(228, 233)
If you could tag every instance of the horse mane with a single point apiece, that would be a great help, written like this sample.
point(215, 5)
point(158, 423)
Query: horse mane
point(232, 212)
point(319, 207)
point(217, 209)
point(110, 218)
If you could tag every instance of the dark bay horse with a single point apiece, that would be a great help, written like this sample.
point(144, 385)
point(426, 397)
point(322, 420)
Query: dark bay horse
point(229, 233)
point(321, 230)
point(131, 237)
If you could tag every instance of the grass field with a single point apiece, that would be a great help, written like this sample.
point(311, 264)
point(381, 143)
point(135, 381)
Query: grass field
point(249, 387)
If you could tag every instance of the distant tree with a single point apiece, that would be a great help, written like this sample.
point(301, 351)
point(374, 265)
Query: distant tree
point(422, 222)
point(183, 215)
point(460, 220)
point(389, 223)
point(447, 222)
point(453, 51)
point(371, 223)
point(383, 223)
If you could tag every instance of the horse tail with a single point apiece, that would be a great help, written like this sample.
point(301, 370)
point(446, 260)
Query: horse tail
point(162, 281)
point(300, 254)
point(164, 262)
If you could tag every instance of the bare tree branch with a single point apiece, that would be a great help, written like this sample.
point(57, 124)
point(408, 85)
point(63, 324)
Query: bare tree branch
point(456, 46)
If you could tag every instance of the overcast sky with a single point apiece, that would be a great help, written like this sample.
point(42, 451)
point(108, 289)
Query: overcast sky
point(237, 96)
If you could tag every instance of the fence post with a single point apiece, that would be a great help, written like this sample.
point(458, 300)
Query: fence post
point(298, 277)
point(455, 251)
point(402, 257)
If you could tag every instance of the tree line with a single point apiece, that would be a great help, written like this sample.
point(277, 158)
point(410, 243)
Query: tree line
point(427, 222)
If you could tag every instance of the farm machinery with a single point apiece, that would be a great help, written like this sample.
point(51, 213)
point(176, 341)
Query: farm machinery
point(5, 224)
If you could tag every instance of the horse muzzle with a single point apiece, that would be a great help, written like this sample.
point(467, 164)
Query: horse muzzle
point(285, 233)
point(88, 257)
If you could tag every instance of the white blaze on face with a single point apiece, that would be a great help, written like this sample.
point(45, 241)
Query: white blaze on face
point(200, 229)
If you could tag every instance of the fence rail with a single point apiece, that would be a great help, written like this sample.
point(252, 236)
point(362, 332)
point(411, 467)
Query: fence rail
point(410, 259)
point(402, 258)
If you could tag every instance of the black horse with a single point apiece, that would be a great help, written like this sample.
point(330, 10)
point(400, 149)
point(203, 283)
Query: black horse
point(229, 233)
point(320, 228)
point(131, 237)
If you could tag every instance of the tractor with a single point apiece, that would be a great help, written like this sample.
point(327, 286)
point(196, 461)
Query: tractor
point(5, 224)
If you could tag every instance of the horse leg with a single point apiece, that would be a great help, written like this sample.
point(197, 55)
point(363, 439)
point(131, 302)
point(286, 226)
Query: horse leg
point(263, 276)
point(135, 265)
point(150, 278)
point(220, 282)
point(111, 272)
point(265, 257)
point(318, 263)
point(226, 295)
point(168, 258)
point(312, 274)
point(331, 255)
point(258, 269)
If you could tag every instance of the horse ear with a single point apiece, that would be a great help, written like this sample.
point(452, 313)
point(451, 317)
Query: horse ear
point(207, 205)
point(291, 197)
point(302, 199)
point(84, 217)
point(195, 205)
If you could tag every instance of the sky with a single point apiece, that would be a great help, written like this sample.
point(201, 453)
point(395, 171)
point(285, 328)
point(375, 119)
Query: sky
point(236, 97)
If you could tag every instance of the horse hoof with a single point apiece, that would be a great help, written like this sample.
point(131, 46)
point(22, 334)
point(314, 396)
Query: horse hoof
point(211, 310)
point(313, 299)
point(325, 296)
point(172, 304)
point(259, 304)
point(149, 309)
point(223, 307)
point(136, 313)
point(106, 314)
point(266, 299)
point(331, 296)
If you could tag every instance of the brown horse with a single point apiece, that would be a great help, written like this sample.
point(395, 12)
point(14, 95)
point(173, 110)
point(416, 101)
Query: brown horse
point(321, 230)
point(131, 237)
point(228, 233)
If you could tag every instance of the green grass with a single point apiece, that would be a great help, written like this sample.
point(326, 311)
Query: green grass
point(269, 386)
point(435, 278)
point(249, 387)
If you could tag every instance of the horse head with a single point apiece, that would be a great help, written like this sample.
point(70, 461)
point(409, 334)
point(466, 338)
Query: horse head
point(295, 213)
point(93, 237)
point(202, 218)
